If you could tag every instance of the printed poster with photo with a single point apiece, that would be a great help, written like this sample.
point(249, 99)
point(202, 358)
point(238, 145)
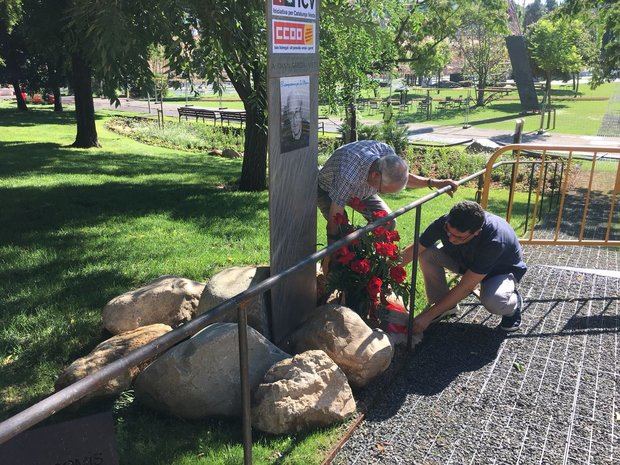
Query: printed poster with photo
point(295, 113)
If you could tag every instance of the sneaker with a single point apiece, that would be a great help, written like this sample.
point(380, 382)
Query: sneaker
point(513, 323)
point(448, 313)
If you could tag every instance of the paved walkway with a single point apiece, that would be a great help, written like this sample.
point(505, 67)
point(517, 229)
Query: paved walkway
point(416, 131)
point(454, 134)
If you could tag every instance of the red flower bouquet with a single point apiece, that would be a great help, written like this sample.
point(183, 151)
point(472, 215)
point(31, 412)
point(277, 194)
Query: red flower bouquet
point(368, 269)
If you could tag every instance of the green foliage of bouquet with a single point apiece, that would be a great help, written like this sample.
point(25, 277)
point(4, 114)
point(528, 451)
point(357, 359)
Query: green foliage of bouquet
point(368, 269)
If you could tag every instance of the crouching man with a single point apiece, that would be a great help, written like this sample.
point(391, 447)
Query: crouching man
point(482, 248)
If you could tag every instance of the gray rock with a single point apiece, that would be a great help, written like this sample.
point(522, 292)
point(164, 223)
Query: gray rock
point(231, 153)
point(306, 391)
point(341, 333)
point(482, 145)
point(230, 282)
point(169, 300)
point(200, 377)
point(107, 352)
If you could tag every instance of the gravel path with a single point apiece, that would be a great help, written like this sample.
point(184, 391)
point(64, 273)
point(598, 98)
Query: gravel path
point(549, 394)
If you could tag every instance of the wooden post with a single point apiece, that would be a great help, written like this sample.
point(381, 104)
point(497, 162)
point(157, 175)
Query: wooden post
point(292, 75)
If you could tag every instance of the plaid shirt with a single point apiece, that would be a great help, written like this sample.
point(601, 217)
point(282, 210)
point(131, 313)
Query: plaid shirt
point(345, 174)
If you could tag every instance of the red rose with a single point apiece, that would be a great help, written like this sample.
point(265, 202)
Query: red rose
point(392, 236)
point(386, 249)
point(380, 231)
point(339, 218)
point(360, 266)
point(357, 204)
point(374, 287)
point(398, 274)
point(379, 214)
point(344, 256)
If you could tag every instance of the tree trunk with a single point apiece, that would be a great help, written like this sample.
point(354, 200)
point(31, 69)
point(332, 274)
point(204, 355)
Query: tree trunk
point(84, 108)
point(55, 86)
point(351, 118)
point(254, 168)
point(577, 86)
point(21, 103)
point(57, 98)
point(480, 96)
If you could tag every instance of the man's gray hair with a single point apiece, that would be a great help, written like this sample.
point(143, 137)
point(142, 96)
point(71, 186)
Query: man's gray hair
point(394, 171)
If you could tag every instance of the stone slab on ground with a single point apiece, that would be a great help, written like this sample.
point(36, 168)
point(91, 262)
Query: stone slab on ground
point(548, 394)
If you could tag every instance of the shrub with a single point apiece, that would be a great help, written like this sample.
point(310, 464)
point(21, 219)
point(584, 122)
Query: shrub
point(197, 137)
point(443, 162)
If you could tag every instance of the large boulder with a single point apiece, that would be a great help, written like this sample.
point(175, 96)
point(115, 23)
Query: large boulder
point(107, 352)
point(168, 300)
point(306, 391)
point(342, 334)
point(230, 282)
point(200, 377)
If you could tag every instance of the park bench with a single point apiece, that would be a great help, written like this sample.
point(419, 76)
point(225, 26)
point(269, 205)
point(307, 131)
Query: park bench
point(322, 123)
point(197, 113)
point(425, 107)
point(232, 116)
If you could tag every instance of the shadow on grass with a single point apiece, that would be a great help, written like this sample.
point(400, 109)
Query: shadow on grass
point(11, 117)
point(65, 244)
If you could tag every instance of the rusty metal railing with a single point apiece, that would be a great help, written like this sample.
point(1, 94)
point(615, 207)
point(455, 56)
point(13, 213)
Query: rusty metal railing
point(565, 156)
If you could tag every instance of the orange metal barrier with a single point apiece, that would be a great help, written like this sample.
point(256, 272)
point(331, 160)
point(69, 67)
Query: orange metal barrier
point(543, 155)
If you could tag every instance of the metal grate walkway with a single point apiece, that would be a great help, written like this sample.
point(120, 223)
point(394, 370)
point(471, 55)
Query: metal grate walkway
point(549, 394)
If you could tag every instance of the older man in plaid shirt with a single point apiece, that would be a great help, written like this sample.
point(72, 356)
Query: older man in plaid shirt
point(362, 170)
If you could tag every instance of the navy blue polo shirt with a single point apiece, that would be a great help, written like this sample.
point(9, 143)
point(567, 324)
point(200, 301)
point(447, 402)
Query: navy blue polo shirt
point(496, 250)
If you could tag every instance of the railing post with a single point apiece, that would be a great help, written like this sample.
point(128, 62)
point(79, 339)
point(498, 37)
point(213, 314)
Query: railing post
point(542, 196)
point(480, 185)
point(244, 367)
point(555, 180)
point(529, 197)
point(414, 276)
point(562, 194)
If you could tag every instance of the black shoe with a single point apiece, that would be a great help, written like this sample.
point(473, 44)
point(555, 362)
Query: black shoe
point(513, 323)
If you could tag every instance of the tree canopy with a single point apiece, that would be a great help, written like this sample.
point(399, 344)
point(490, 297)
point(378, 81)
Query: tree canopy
point(554, 46)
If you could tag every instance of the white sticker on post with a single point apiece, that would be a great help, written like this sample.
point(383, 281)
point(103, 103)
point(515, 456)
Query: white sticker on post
point(304, 9)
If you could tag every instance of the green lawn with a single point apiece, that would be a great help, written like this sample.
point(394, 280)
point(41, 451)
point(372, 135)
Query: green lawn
point(82, 226)
point(573, 115)
point(579, 115)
